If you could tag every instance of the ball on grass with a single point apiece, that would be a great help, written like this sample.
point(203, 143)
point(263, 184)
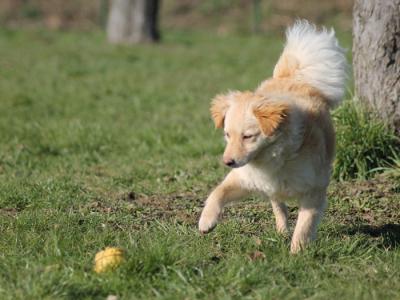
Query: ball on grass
point(108, 259)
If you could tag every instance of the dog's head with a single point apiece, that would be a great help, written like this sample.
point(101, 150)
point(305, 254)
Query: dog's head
point(251, 123)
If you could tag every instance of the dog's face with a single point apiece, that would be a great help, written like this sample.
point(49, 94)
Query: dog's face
point(250, 124)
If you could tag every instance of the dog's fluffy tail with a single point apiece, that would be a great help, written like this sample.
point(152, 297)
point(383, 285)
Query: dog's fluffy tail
point(314, 57)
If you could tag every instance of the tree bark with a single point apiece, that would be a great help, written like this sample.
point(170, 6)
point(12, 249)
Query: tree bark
point(133, 21)
point(376, 56)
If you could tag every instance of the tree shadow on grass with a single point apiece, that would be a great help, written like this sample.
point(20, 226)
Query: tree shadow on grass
point(390, 233)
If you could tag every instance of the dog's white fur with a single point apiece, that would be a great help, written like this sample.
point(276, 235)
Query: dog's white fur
point(320, 60)
point(280, 139)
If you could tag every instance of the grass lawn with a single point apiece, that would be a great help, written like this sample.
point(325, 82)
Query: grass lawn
point(113, 146)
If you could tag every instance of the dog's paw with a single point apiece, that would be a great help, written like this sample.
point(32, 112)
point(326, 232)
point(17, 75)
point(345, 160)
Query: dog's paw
point(207, 222)
point(282, 229)
point(297, 246)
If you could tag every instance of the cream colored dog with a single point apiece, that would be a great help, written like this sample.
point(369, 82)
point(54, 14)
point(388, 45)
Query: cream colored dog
point(279, 139)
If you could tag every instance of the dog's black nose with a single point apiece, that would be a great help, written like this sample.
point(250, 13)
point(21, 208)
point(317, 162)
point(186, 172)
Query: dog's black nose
point(230, 162)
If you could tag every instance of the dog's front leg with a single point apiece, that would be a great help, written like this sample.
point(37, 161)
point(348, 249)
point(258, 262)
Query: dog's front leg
point(310, 213)
point(229, 190)
point(281, 216)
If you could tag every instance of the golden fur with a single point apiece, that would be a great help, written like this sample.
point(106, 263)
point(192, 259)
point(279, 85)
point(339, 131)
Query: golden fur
point(270, 116)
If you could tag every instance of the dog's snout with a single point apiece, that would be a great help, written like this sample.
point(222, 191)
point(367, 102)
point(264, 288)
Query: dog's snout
point(230, 162)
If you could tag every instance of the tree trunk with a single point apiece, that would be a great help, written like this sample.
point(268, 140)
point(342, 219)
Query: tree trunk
point(133, 21)
point(376, 56)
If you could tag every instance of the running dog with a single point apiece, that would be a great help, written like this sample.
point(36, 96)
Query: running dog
point(280, 141)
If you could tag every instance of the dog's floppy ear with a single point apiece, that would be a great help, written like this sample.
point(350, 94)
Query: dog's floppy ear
point(270, 115)
point(219, 106)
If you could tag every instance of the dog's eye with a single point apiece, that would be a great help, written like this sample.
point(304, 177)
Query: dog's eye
point(226, 134)
point(248, 136)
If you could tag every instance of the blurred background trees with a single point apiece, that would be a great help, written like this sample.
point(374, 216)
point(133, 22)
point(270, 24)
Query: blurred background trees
point(221, 15)
point(133, 21)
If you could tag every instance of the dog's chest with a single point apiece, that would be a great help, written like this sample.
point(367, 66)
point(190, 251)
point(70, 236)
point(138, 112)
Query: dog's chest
point(269, 183)
point(278, 182)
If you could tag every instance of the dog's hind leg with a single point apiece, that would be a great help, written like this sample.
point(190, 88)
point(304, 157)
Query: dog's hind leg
point(229, 190)
point(310, 213)
point(281, 216)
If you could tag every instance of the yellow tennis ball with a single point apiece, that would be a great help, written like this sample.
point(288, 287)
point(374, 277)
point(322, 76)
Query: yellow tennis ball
point(108, 259)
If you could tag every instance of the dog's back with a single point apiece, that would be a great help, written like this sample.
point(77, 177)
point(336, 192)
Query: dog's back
point(310, 73)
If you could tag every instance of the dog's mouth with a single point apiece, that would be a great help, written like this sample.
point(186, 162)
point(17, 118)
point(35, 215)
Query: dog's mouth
point(236, 165)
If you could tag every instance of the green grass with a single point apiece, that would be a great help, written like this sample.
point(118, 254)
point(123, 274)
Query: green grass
point(113, 146)
point(364, 143)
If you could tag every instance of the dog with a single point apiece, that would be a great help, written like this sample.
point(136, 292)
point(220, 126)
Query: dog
point(280, 141)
